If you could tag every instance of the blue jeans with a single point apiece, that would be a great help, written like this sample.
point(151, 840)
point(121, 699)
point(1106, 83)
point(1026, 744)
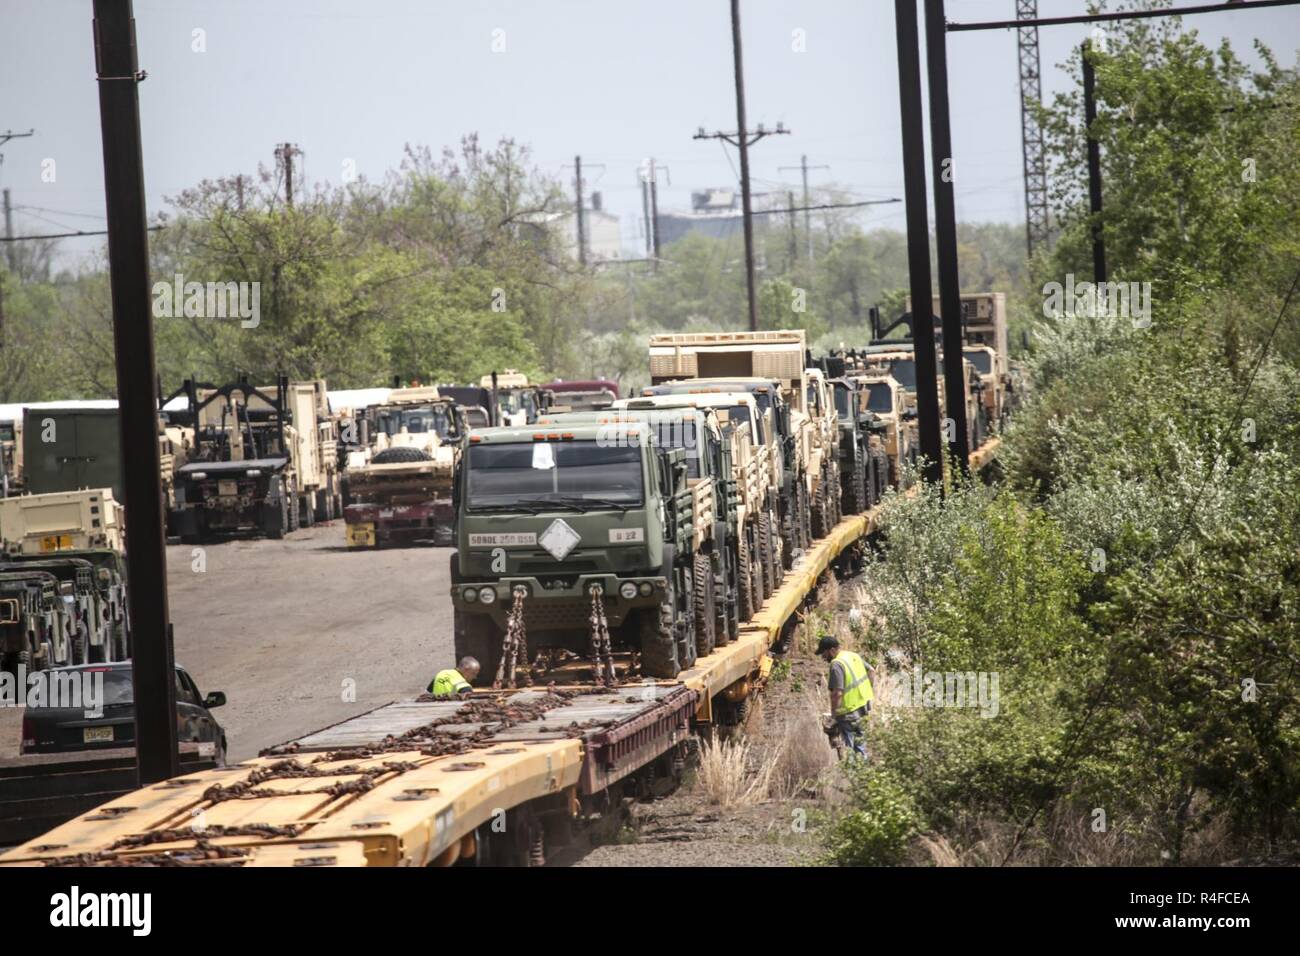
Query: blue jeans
point(851, 732)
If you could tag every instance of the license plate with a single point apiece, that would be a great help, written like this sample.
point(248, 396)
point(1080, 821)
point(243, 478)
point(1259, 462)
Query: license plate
point(227, 488)
point(94, 735)
point(56, 542)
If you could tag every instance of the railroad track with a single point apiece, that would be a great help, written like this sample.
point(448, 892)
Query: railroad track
point(499, 778)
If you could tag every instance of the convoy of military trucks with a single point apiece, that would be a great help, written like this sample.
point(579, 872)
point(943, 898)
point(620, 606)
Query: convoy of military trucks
point(582, 521)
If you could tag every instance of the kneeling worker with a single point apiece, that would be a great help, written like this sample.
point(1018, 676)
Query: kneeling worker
point(455, 682)
point(851, 694)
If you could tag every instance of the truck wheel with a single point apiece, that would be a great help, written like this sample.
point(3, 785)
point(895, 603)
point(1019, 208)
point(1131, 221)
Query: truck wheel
point(278, 524)
point(658, 642)
point(476, 636)
point(767, 547)
point(307, 510)
point(293, 512)
point(706, 606)
point(861, 501)
point(747, 604)
point(820, 517)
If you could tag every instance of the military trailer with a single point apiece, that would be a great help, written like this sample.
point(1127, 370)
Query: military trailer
point(590, 528)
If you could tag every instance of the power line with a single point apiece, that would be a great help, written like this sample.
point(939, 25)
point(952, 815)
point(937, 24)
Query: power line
point(67, 235)
point(1121, 15)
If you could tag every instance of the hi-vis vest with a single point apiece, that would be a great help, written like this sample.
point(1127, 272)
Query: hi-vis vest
point(448, 683)
point(857, 686)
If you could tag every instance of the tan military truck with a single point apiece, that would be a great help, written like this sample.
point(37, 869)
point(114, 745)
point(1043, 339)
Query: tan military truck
point(398, 488)
point(62, 521)
point(888, 400)
point(519, 401)
point(756, 542)
point(821, 410)
point(987, 365)
point(747, 360)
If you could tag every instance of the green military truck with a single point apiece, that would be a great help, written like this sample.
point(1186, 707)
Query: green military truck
point(574, 524)
point(864, 459)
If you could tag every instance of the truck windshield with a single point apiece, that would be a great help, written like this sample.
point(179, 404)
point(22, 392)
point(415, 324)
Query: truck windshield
point(416, 419)
point(842, 401)
point(904, 370)
point(882, 399)
point(679, 433)
point(982, 361)
point(501, 475)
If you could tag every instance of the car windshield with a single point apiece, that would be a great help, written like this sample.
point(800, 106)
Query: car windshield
point(416, 419)
point(500, 475)
point(982, 361)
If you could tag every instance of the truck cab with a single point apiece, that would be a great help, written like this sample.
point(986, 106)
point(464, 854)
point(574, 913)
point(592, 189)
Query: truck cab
point(558, 511)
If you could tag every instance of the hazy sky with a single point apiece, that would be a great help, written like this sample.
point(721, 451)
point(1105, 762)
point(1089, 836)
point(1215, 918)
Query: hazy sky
point(613, 80)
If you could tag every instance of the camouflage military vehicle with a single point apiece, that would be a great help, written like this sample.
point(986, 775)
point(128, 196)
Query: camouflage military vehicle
point(589, 530)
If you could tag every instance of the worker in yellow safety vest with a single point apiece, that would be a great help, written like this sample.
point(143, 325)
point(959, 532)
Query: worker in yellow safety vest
point(455, 682)
point(851, 695)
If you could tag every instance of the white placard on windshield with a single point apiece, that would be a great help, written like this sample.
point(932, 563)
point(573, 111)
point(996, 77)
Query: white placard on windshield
point(543, 456)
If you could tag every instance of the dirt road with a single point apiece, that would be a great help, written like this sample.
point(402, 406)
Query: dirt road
point(301, 633)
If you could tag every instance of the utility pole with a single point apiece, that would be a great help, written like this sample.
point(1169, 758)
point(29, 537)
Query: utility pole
point(654, 207)
point(577, 185)
point(945, 232)
point(9, 231)
point(153, 668)
point(742, 139)
point(807, 213)
point(918, 238)
point(789, 206)
point(645, 213)
point(285, 153)
point(1094, 166)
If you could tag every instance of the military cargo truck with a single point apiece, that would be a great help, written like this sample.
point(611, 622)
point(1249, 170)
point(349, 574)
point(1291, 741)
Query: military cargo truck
point(591, 394)
point(750, 359)
point(986, 363)
point(864, 460)
point(242, 474)
point(518, 402)
point(579, 523)
point(61, 521)
point(887, 400)
point(706, 442)
point(399, 487)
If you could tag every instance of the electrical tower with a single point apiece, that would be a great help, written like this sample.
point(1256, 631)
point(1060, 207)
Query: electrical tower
point(1037, 232)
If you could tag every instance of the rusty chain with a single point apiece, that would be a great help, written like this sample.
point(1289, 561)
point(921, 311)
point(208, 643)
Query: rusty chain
point(514, 649)
point(601, 652)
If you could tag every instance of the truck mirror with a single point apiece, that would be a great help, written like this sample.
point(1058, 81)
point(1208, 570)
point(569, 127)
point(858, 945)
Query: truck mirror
point(215, 699)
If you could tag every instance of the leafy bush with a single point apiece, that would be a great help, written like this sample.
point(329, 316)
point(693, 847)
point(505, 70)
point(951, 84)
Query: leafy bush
point(879, 828)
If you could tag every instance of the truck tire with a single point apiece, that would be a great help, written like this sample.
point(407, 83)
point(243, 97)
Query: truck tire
point(767, 548)
point(307, 510)
point(746, 601)
point(706, 606)
point(293, 512)
point(477, 636)
point(278, 525)
point(400, 453)
point(658, 642)
point(820, 515)
point(858, 501)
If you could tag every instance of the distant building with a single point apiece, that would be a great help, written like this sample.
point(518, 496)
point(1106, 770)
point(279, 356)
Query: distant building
point(603, 235)
point(714, 212)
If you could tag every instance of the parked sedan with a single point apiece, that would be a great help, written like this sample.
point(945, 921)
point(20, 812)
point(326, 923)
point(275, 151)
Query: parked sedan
point(63, 723)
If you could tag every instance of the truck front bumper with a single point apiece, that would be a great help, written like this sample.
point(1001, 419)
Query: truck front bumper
point(368, 525)
point(559, 605)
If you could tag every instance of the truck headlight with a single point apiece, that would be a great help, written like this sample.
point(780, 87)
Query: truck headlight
point(646, 588)
point(470, 595)
point(628, 590)
point(254, 473)
point(487, 595)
